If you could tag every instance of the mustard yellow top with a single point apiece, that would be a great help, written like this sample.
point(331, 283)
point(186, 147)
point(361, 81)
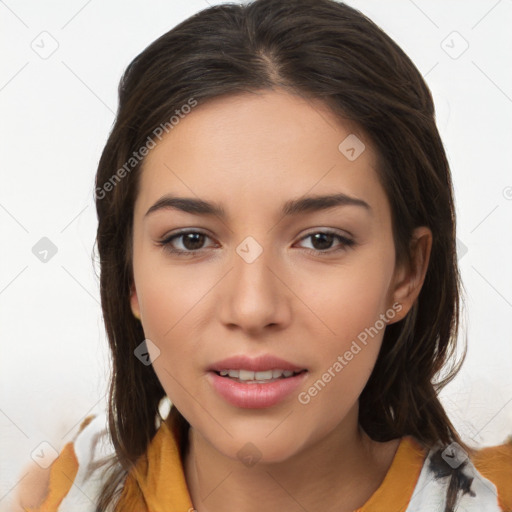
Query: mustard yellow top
point(157, 483)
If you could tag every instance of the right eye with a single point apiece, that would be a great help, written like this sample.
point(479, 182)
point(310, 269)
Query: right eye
point(190, 240)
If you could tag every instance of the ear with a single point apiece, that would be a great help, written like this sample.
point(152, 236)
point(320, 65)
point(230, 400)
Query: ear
point(134, 301)
point(409, 278)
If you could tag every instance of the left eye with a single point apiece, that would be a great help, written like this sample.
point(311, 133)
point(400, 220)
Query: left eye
point(192, 242)
point(325, 238)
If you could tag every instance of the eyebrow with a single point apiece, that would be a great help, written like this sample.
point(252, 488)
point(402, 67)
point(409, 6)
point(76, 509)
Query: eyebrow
point(290, 208)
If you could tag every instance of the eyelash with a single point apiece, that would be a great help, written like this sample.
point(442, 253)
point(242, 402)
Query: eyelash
point(345, 243)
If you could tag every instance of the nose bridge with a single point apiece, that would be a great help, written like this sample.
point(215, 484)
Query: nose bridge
point(252, 297)
point(251, 263)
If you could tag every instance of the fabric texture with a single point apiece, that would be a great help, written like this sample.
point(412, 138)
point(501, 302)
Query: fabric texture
point(416, 481)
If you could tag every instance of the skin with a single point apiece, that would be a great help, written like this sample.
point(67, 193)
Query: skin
point(32, 490)
point(251, 153)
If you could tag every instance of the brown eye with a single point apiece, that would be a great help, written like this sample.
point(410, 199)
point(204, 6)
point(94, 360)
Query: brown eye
point(188, 242)
point(322, 241)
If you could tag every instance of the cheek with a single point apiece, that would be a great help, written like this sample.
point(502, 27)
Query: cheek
point(346, 301)
point(346, 353)
point(170, 299)
point(349, 302)
point(171, 305)
point(171, 296)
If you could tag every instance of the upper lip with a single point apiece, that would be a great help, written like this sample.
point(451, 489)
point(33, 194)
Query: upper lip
point(255, 364)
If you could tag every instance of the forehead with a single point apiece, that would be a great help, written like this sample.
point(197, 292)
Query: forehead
point(260, 146)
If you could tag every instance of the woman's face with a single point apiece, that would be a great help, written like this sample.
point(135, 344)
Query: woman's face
point(260, 280)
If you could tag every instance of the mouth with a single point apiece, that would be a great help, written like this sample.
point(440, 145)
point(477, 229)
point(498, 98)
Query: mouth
point(258, 377)
point(252, 389)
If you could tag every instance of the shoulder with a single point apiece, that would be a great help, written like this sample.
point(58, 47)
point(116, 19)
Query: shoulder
point(480, 479)
point(74, 476)
point(495, 464)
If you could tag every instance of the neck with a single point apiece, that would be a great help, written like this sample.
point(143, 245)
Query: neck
point(338, 473)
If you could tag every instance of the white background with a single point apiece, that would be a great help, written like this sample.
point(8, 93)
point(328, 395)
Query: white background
point(55, 117)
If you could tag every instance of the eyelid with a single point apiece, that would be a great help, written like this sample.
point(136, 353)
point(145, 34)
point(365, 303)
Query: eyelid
point(335, 231)
point(346, 241)
point(184, 231)
point(165, 241)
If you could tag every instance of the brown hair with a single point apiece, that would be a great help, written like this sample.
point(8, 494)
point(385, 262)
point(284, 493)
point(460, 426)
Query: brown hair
point(319, 49)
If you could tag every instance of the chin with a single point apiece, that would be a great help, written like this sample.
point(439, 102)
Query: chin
point(259, 449)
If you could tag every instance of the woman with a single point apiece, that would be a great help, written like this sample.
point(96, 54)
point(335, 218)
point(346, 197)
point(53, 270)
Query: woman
point(277, 246)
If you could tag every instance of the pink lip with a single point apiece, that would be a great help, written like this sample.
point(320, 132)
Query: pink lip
point(255, 396)
point(256, 364)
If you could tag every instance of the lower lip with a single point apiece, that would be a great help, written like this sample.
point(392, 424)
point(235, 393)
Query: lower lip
point(255, 396)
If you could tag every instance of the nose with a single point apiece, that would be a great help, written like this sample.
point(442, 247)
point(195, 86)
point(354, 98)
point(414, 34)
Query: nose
point(253, 295)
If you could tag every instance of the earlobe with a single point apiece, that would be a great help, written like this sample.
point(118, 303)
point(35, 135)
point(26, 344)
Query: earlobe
point(410, 278)
point(134, 302)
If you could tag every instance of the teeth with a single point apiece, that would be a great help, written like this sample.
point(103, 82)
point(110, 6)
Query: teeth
point(250, 375)
point(244, 375)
